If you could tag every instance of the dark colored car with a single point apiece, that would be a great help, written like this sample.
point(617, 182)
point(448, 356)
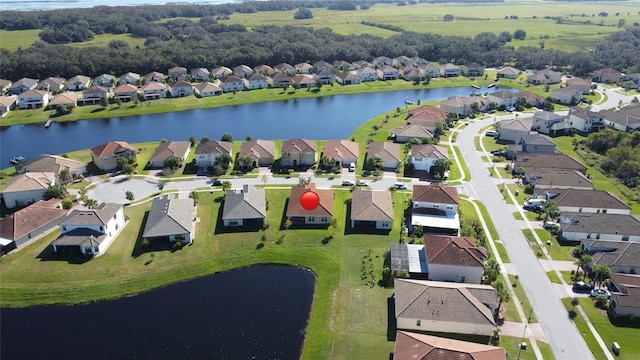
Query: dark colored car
point(581, 286)
point(216, 183)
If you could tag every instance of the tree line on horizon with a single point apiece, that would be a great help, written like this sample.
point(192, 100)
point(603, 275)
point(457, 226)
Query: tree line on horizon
point(209, 43)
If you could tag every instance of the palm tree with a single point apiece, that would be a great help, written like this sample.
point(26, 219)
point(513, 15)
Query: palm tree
point(503, 294)
point(90, 203)
point(582, 263)
point(491, 270)
point(226, 186)
point(551, 209)
point(64, 175)
point(602, 273)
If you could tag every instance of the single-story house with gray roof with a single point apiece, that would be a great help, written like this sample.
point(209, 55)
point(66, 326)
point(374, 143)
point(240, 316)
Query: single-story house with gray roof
point(598, 226)
point(170, 219)
point(619, 256)
point(246, 207)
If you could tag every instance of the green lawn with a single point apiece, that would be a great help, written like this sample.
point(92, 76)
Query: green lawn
point(554, 277)
point(524, 300)
point(103, 40)
point(511, 347)
point(559, 250)
point(18, 39)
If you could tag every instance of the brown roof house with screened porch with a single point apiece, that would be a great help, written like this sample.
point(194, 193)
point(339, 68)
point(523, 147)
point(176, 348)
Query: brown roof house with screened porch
point(435, 208)
point(106, 156)
point(414, 346)
point(321, 215)
point(371, 210)
point(445, 307)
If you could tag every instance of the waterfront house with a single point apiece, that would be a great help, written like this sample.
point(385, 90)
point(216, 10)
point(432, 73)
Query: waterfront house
point(367, 74)
point(449, 70)
point(167, 149)
point(106, 156)
point(207, 89)
point(435, 208)
point(325, 76)
point(625, 295)
point(427, 114)
point(95, 94)
point(177, 73)
point(51, 84)
point(575, 226)
point(281, 80)
point(232, 83)
point(256, 81)
point(412, 73)
point(181, 88)
point(105, 80)
point(55, 164)
point(242, 71)
point(405, 133)
point(423, 157)
point(154, 76)
point(371, 210)
point(430, 70)
point(298, 152)
point(462, 105)
point(473, 69)
point(31, 222)
point(26, 188)
point(607, 75)
point(154, 91)
point(303, 81)
point(78, 82)
point(208, 152)
point(532, 99)
point(91, 231)
point(262, 152)
point(387, 73)
point(246, 208)
point(33, 99)
point(414, 346)
point(386, 152)
point(221, 72)
point(342, 152)
point(130, 78)
point(7, 103)
point(67, 98)
point(508, 73)
point(170, 219)
point(321, 215)
point(544, 76)
point(502, 98)
point(22, 85)
point(445, 307)
point(348, 78)
point(125, 92)
point(200, 74)
point(513, 130)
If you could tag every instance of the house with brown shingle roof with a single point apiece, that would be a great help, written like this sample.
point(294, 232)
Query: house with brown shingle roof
point(67, 98)
point(167, 149)
point(265, 70)
point(154, 76)
point(154, 91)
point(405, 133)
point(414, 346)
point(386, 152)
point(106, 156)
point(55, 164)
point(281, 80)
point(125, 92)
point(423, 157)
point(90, 232)
point(208, 89)
point(177, 73)
point(262, 152)
point(449, 70)
point(625, 294)
point(94, 94)
point(343, 152)
point(32, 221)
point(52, 84)
point(435, 208)
point(298, 152)
point(454, 258)
point(303, 81)
point(580, 84)
point(321, 215)
point(473, 69)
point(509, 73)
point(588, 201)
point(33, 99)
point(532, 99)
point(27, 188)
point(445, 307)
point(207, 152)
point(584, 120)
point(607, 75)
point(7, 103)
point(371, 210)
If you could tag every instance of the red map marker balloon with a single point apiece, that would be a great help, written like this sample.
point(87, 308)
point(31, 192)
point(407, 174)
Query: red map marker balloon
point(309, 200)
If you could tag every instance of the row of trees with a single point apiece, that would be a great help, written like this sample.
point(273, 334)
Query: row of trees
point(620, 154)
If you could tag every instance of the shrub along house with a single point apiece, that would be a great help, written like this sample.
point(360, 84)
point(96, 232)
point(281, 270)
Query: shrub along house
point(245, 208)
point(90, 232)
point(170, 219)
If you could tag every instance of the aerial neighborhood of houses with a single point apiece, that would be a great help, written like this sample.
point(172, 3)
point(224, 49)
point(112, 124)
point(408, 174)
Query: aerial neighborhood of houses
point(443, 288)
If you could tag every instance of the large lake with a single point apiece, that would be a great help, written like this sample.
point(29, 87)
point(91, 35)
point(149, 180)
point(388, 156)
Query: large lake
point(259, 312)
point(322, 118)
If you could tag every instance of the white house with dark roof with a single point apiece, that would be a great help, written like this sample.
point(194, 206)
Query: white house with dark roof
point(256, 81)
point(371, 210)
point(625, 294)
point(587, 201)
point(27, 188)
point(90, 232)
point(618, 256)
point(423, 157)
point(105, 80)
point(598, 226)
point(445, 307)
point(78, 82)
point(22, 85)
point(208, 152)
point(181, 88)
point(584, 120)
point(543, 121)
point(232, 83)
point(435, 208)
point(170, 219)
point(244, 208)
point(513, 130)
point(178, 149)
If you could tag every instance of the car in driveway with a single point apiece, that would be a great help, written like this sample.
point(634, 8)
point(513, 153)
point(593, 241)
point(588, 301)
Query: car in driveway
point(581, 286)
point(596, 292)
point(362, 183)
point(347, 183)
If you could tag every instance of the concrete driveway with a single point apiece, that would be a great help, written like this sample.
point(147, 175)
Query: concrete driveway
point(115, 190)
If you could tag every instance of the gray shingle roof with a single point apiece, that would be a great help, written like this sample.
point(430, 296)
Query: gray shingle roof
point(250, 203)
point(98, 216)
point(585, 198)
point(80, 237)
point(614, 253)
point(599, 223)
point(169, 217)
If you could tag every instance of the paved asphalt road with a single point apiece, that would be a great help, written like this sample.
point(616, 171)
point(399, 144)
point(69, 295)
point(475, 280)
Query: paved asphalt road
point(564, 337)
